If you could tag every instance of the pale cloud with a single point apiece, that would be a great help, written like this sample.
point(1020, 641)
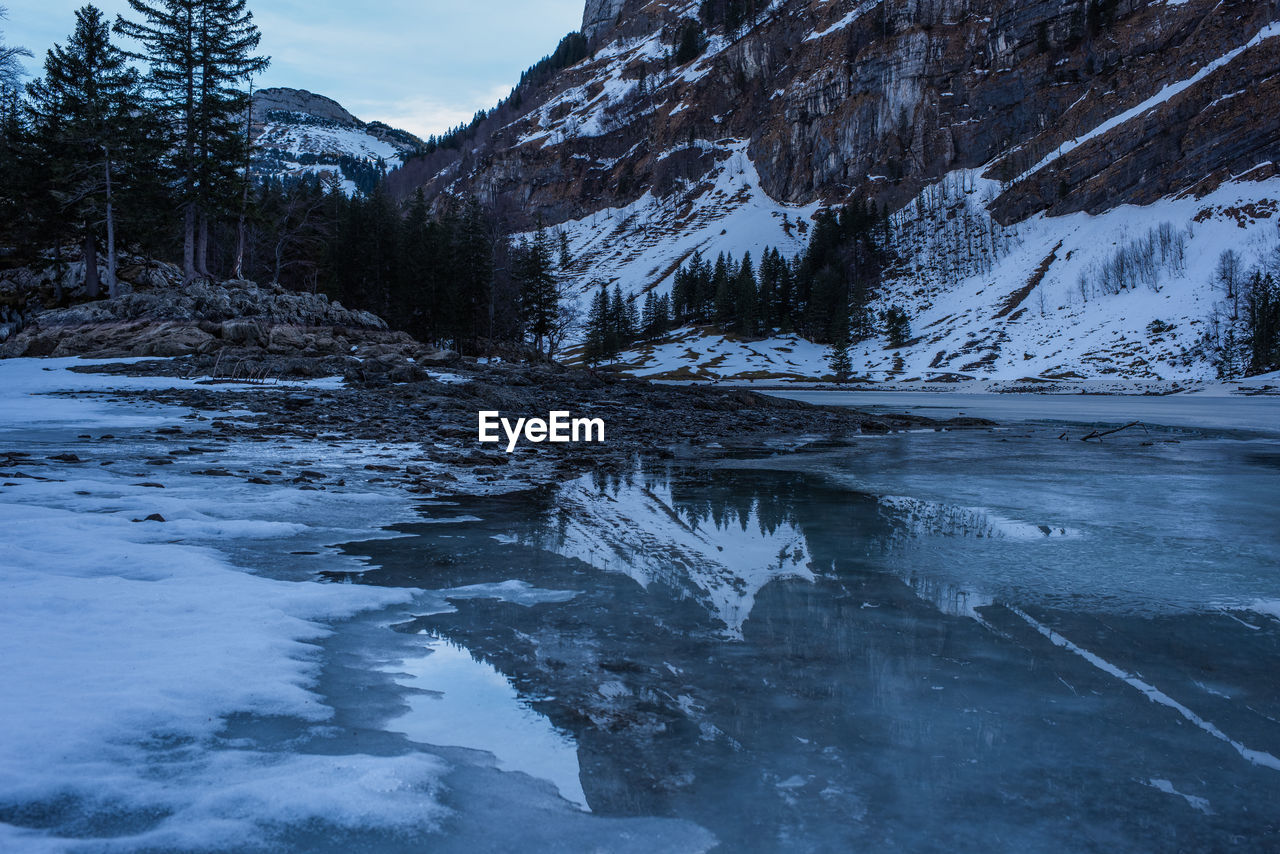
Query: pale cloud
point(425, 115)
point(422, 66)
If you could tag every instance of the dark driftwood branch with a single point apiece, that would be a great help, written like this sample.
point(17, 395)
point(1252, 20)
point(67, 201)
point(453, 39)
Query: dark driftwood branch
point(1098, 435)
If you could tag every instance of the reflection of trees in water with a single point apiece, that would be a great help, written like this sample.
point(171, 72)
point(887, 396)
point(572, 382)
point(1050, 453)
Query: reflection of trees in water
point(720, 499)
point(840, 528)
point(716, 537)
point(831, 519)
point(858, 707)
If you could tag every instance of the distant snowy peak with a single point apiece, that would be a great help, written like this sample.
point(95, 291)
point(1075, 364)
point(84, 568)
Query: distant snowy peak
point(283, 100)
point(296, 133)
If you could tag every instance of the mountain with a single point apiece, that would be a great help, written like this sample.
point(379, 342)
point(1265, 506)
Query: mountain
point(297, 132)
point(1063, 177)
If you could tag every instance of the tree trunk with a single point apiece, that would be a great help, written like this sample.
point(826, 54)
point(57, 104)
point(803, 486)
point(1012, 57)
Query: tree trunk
point(57, 273)
point(113, 288)
point(189, 246)
point(202, 247)
point(91, 282)
point(244, 194)
point(239, 272)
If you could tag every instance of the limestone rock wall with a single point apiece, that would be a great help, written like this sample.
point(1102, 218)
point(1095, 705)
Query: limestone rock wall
point(883, 97)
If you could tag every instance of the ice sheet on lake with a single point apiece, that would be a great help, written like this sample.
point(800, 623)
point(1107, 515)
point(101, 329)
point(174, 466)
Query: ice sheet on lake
point(514, 591)
point(1154, 694)
point(1194, 801)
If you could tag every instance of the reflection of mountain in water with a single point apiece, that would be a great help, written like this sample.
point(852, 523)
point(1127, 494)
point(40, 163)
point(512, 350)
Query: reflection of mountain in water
point(720, 552)
point(720, 540)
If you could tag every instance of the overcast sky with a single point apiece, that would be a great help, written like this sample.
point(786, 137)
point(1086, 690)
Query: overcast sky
point(421, 65)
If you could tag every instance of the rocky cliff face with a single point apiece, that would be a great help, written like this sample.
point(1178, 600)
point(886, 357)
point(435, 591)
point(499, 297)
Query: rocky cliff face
point(883, 97)
point(300, 102)
point(600, 17)
point(1037, 108)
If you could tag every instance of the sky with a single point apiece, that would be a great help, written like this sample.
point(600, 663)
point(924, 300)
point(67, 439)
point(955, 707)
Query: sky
point(420, 65)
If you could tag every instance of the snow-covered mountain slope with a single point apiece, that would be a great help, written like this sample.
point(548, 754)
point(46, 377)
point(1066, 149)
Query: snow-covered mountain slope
point(296, 132)
point(1040, 299)
point(639, 246)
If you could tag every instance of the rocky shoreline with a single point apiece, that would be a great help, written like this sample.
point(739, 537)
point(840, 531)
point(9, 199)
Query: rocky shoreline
point(432, 422)
point(240, 346)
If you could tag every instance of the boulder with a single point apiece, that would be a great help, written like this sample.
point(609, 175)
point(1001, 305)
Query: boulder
point(436, 358)
point(286, 339)
point(176, 342)
point(245, 332)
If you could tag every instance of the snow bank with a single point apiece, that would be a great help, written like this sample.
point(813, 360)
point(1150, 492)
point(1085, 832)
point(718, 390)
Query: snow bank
point(129, 645)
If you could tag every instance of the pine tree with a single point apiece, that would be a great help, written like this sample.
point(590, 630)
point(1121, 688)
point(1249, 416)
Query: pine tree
point(200, 53)
point(228, 38)
point(662, 316)
point(745, 298)
point(706, 294)
point(23, 184)
point(597, 343)
point(897, 327)
point(648, 318)
point(619, 328)
point(539, 296)
point(691, 43)
point(415, 282)
point(89, 131)
point(1262, 322)
point(681, 292)
point(722, 288)
point(838, 359)
point(633, 327)
point(472, 266)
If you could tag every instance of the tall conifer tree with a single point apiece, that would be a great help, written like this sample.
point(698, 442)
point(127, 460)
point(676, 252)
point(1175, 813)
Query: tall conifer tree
point(539, 297)
point(10, 61)
point(201, 52)
point(88, 129)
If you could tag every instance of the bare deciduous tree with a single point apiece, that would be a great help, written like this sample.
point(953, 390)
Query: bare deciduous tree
point(10, 67)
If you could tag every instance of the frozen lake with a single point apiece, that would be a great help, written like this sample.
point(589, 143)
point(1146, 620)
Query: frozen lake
point(975, 641)
point(990, 640)
point(1202, 410)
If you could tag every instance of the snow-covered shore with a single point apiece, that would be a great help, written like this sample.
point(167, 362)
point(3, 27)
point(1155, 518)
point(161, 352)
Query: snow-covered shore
point(158, 621)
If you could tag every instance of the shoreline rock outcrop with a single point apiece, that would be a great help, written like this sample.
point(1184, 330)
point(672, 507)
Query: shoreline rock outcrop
point(156, 315)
